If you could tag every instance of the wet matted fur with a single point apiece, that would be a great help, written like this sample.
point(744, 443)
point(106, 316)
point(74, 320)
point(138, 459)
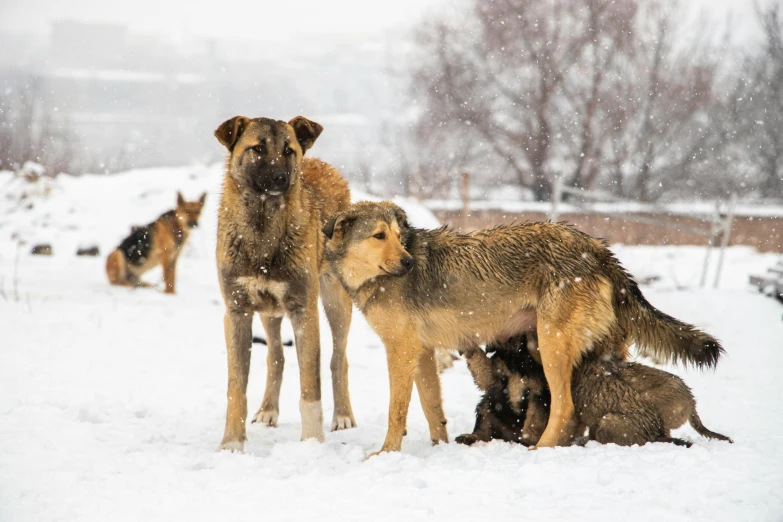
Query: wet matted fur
point(270, 261)
point(422, 289)
point(619, 402)
point(158, 243)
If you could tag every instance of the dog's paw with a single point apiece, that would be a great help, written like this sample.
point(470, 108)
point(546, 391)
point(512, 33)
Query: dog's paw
point(266, 417)
point(234, 446)
point(343, 422)
point(467, 439)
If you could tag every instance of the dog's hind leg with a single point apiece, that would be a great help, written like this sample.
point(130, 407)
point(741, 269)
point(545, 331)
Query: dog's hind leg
point(117, 269)
point(675, 441)
point(275, 361)
point(338, 309)
point(238, 331)
point(428, 385)
point(308, 352)
point(626, 430)
point(557, 357)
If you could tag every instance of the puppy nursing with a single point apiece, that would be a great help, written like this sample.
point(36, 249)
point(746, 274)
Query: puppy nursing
point(618, 402)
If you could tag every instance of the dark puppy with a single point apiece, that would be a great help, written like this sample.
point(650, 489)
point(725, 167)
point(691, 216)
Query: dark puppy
point(515, 405)
point(619, 402)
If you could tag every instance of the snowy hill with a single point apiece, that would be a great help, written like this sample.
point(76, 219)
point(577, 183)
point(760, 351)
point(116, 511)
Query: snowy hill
point(112, 401)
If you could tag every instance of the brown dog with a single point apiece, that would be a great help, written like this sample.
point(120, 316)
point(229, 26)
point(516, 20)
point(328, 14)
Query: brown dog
point(422, 289)
point(158, 243)
point(270, 261)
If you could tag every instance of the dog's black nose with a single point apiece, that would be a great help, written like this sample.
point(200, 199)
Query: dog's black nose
point(280, 180)
point(407, 262)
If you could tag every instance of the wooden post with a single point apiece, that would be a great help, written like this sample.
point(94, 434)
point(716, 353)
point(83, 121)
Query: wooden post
point(464, 194)
point(728, 223)
point(557, 194)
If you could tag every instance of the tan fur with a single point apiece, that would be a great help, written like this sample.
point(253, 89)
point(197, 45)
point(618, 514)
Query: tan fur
point(168, 234)
point(270, 261)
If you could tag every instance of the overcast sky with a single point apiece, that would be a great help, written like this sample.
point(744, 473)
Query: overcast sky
point(274, 19)
point(259, 19)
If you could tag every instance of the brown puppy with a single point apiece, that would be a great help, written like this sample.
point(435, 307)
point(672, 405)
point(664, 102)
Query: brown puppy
point(158, 243)
point(423, 289)
point(667, 395)
point(270, 261)
point(619, 402)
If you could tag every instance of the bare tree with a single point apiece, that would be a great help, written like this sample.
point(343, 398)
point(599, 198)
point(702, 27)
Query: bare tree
point(592, 91)
point(502, 74)
point(32, 131)
point(757, 108)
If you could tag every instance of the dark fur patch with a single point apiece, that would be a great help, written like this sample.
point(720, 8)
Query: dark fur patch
point(137, 247)
point(507, 416)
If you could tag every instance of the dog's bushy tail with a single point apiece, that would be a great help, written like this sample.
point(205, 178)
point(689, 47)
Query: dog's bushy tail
point(695, 422)
point(660, 336)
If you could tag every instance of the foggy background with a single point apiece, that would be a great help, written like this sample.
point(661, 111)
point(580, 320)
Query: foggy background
point(646, 100)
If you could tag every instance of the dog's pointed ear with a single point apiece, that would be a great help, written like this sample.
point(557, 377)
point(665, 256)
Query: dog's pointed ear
point(338, 223)
point(180, 199)
point(202, 199)
point(401, 217)
point(306, 131)
point(230, 130)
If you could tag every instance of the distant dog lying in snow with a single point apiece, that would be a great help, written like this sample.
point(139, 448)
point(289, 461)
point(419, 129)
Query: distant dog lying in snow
point(618, 402)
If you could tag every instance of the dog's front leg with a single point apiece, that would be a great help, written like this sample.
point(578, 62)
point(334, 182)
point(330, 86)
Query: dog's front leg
point(402, 353)
point(275, 360)
point(238, 331)
point(338, 309)
point(169, 264)
point(480, 367)
point(308, 352)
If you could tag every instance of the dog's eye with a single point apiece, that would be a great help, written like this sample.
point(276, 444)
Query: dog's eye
point(258, 149)
point(288, 150)
point(380, 235)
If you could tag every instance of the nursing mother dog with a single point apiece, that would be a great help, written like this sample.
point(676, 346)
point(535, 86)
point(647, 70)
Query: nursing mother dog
point(422, 289)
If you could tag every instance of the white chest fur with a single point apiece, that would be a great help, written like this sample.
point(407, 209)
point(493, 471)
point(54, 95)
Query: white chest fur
point(267, 297)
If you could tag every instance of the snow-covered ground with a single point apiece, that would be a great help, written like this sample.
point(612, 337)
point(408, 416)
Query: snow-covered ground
point(112, 401)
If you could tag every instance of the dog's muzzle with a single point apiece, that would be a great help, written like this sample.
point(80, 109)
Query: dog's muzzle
point(280, 182)
point(406, 263)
